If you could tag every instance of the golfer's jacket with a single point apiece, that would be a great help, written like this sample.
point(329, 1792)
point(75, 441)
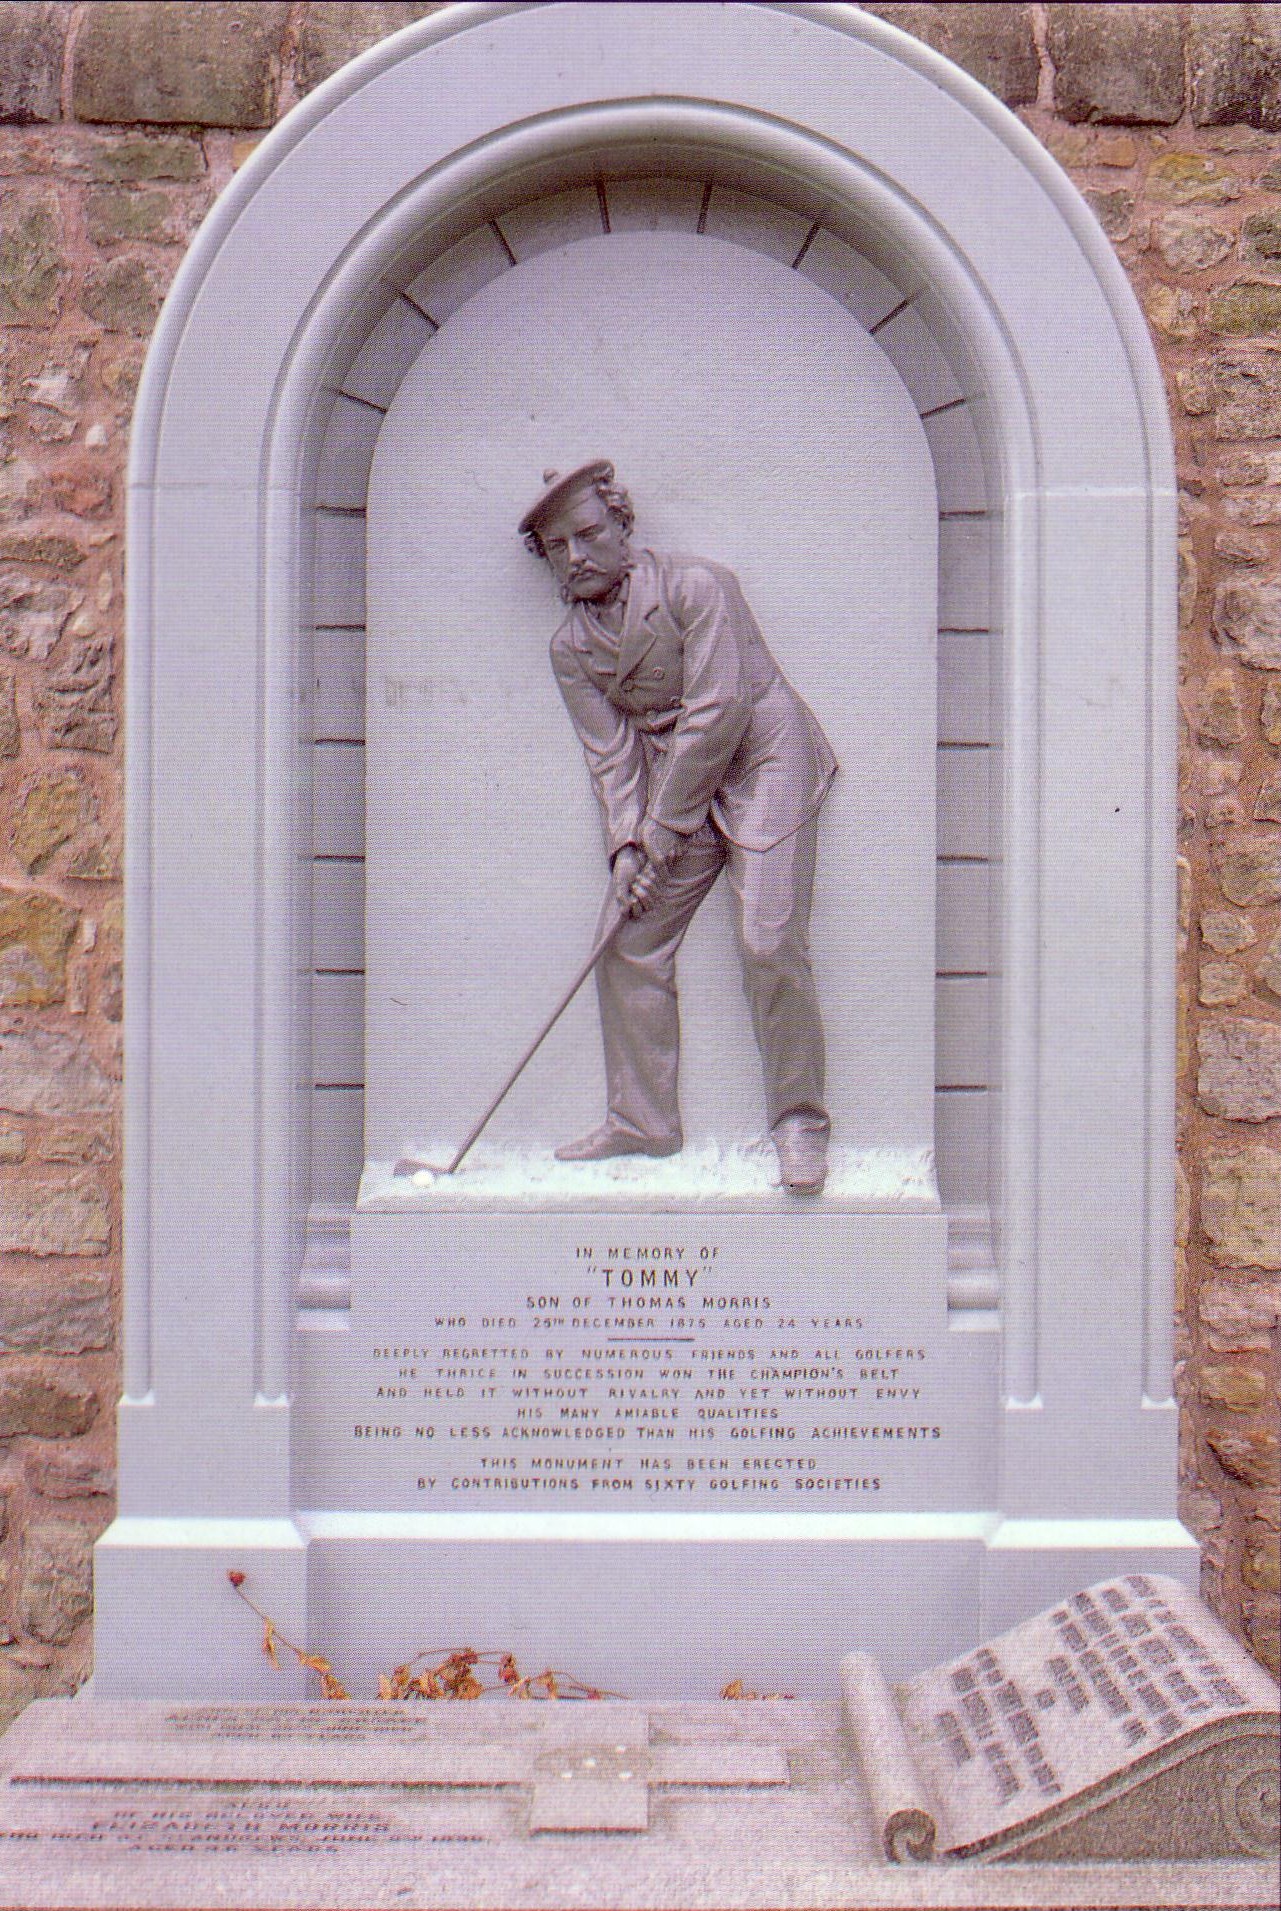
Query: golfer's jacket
point(687, 714)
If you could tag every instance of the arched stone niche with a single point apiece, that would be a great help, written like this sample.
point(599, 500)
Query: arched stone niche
point(856, 157)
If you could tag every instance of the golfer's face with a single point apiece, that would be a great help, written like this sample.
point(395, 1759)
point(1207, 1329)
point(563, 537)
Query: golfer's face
point(586, 547)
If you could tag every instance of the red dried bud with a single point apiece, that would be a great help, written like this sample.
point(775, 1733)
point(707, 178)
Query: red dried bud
point(237, 1579)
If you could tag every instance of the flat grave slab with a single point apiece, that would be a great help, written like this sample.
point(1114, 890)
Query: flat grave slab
point(496, 1804)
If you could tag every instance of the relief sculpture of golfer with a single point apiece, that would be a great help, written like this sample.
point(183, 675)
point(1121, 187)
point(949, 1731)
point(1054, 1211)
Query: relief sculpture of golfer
point(702, 758)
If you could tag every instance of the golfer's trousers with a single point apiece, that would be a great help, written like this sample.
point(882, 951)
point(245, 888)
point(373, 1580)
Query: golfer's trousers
point(636, 982)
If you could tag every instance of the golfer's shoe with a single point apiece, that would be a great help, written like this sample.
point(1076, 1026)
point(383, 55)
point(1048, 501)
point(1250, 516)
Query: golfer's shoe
point(800, 1142)
point(609, 1140)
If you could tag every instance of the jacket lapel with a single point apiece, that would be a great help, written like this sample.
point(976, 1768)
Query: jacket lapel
point(643, 608)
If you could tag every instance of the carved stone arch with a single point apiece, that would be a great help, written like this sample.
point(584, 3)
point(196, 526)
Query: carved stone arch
point(294, 309)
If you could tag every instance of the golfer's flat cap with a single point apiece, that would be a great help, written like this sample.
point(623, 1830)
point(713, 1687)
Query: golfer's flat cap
point(560, 489)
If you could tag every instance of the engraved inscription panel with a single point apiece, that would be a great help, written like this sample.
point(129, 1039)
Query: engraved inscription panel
point(710, 1363)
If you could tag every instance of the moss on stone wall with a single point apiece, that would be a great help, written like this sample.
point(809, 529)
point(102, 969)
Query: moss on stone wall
point(120, 120)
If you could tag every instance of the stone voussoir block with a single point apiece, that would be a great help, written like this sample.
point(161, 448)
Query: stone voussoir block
point(1235, 62)
point(1117, 63)
point(165, 62)
point(993, 43)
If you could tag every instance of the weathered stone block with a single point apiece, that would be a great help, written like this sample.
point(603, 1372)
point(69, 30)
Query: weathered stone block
point(169, 63)
point(36, 1402)
point(1241, 547)
point(1196, 389)
point(1240, 1073)
point(13, 1142)
point(1261, 239)
point(96, 861)
point(75, 1141)
point(1236, 66)
point(1239, 1316)
point(117, 214)
point(74, 705)
point(1262, 1566)
point(1251, 1457)
point(1184, 179)
point(43, 547)
point(10, 730)
point(1228, 931)
point(56, 1217)
point(1253, 507)
point(335, 31)
point(68, 1312)
point(124, 294)
point(48, 815)
point(111, 992)
point(43, 1072)
point(1268, 973)
point(1239, 1389)
point(994, 44)
point(1117, 63)
point(1220, 983)
point(1267, 803)
point(33, 263)
point(1189, 242)
point(1219, 716)
point(56, 1589)
point(69, 1475)
point(1247, 868)
point(147, 157)
point(1114, 210)
point(1270, 714)
point(1248, 309)
point(35, 935)
point(1247, 616)
point(31, 40)
point(1240, 1206)
point(19, 489)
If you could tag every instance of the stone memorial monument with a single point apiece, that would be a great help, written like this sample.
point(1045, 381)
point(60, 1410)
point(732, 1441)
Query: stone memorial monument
point(742, 1406)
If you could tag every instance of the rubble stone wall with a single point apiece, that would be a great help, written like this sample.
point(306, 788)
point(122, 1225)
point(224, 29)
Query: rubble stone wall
point(120, 120)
